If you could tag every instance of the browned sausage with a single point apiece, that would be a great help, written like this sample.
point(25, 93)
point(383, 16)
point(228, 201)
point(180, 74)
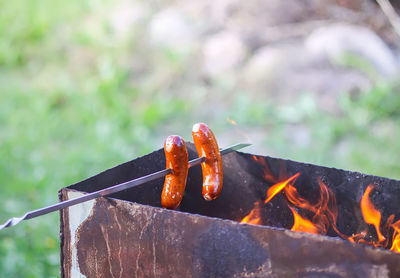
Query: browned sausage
point(176, 155)
point(207, 146)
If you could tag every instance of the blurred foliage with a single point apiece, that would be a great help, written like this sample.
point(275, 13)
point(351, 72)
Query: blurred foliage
point(69, 108)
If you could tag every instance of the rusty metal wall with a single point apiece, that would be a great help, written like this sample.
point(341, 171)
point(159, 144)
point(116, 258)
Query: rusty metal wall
point(114, 238)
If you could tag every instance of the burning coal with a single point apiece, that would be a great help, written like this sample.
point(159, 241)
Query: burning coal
point(320, 216)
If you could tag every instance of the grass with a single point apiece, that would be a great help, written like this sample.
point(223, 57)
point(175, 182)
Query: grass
point(72, 104)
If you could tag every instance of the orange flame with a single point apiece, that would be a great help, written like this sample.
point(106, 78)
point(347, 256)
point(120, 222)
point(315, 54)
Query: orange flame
point(325, 211)
point(371, 215)
point(396, 237)
point(239, 131)
point(268, 176)
point(254, 217)
point(294, 197)
point(275, 189)
point(303, 225)
point(357, 237)
point(229, 120)
point(322, 215)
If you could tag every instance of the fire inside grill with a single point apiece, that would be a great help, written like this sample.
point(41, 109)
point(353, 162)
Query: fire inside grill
point(306, 221)
point(322, 215)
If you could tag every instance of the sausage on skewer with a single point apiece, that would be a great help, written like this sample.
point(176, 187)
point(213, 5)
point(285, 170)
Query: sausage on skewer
point(207, 146)
point(176, 156)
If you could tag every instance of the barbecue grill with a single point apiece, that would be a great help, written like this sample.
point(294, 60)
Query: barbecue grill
point(128, 234)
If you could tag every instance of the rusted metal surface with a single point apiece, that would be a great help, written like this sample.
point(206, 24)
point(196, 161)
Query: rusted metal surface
point(129, 235)
point(123, 239)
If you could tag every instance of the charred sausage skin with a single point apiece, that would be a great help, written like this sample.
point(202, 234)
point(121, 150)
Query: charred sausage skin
point(207, 146)
point(176, 156)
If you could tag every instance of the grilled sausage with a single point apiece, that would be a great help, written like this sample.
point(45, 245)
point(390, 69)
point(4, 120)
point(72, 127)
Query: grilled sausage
point(176, 155)
point(207, 146)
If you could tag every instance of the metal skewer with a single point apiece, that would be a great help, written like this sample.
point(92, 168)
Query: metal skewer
point(109, 190)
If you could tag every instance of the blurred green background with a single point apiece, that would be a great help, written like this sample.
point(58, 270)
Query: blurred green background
point(78, 97)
